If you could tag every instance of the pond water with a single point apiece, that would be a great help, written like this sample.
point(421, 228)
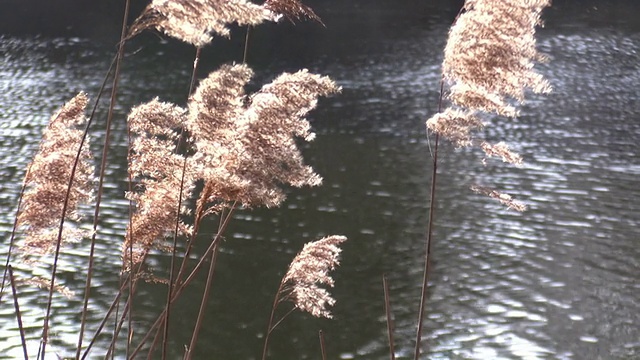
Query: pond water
point(559, 281)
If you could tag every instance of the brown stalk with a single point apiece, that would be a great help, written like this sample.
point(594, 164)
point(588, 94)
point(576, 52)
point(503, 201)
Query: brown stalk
point(103, 165)
point(203, 303)
point(427, 263)
point(18, 313)
point(65, 206)
point(118, 325)
point(13, 236)
point(273, 326)
point(126, 282)
point(387, 308)
point(270, 327)
point(165, 334)
point(207, 290)
point(179, 288)
point(246, 45)
point(323, 349)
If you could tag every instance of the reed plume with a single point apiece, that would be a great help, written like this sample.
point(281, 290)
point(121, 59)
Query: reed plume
point(489, 60)
point(157, 167)
point(47, 181)
point(488, 63)
point(292, 10)
point(244, 148)
point(309, 269)
point(193, 21)
point(301, 284)
point(246, 145)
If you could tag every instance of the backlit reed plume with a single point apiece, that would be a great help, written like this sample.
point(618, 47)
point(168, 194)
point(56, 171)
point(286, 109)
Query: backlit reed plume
point(47, 181)
point(193, 21)
point(292, 10)
point(308, 270)
point(489, 60)
point(157, 167)
point(246, 145)
point(244, 149)
point(301, 285)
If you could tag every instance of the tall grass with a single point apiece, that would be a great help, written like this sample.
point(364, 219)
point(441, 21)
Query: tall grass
point(223, 149)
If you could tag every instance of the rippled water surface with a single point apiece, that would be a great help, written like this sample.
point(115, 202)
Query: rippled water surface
point(559, 281)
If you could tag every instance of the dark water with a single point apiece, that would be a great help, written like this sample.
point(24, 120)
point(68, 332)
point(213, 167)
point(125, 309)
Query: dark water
point(559, 281)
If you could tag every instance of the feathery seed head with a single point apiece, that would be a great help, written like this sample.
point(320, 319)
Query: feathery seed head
point(503, 198)
point(246, 145)
point(309, 269)
point(489, 60)
point(48, 175)
point(455, 125)
point(501, 150)
point(292, 10)
point(491, 47)
point(156, 165)
point(192, 21)
point(217, 102)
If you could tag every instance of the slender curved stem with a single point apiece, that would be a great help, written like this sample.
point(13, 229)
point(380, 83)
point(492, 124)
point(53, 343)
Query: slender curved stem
point(18, 313)
point(269, 326)
point(65, 207)
point(207, 290)
point(427, 263)
point(203, 303)
point(103, 165)
point(186, 282)
point(323, 349)
point(165, 332)
point(246, 45)
point(13, 237)
point(387, 308)
point(115, 302)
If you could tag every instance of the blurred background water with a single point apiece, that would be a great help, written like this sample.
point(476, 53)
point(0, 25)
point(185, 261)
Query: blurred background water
point(559, 281)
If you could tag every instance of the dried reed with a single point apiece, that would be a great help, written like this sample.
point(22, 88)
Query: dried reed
point(193, 21)
point(292, 10)
point(300, 285)
point(488, 61)
point(48, 178)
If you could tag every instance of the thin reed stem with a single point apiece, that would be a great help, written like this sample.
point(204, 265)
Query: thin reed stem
point(65, 207)
point(132, 286)
point(13, 237)
point(387, 308)
point(271, 327)
point(112, 307)
point(112, 103)
point(103, 166)
point(196, 60)
point(179, 288)
point(207, 291)
point(276, 300)
point(96, 214)
point(323, 349)
point(165, 334)
point(18, 313)
point(430, 225)
point(126, 282)
point(203, 303)
point(246, 45)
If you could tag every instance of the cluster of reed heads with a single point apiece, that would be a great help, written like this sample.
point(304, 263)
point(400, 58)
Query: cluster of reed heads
point(226, 149)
